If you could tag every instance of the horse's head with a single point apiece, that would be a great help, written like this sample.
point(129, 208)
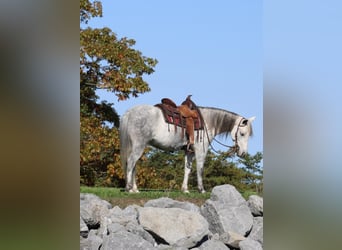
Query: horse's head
point(240, 134)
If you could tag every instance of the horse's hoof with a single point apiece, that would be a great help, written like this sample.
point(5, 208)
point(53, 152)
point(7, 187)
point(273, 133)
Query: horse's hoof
point(134, 191)
point(186, 191)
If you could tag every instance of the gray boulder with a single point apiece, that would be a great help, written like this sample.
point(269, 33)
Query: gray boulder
point(168, 247)
point(213, 244)
point(124, 240)
point(122, 217)
point(116, 215)
point(174, 226)
point(114, 228)
point(249, 244)
point(257, 232)
point(93, 209)
point(231, 238)
point(256, 205)
point(137, 229)
point(83, 228)
point(93, 242)
point(165, 202)
point(227, 210)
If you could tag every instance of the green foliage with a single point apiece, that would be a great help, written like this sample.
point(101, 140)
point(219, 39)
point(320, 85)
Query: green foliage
point(253, 171)
point(165, 170)
point(106, 62)
point(89, 9)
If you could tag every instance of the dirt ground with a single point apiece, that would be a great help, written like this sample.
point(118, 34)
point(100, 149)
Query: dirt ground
point(124, 202)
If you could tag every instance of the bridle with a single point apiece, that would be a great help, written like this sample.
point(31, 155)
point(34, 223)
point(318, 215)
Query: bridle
point(232, 149)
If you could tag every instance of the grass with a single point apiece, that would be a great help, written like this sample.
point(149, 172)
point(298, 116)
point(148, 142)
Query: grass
point(118, 197)
point(109, 192)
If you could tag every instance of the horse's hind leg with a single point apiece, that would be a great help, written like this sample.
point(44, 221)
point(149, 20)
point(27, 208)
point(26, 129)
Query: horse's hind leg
point(136, 153)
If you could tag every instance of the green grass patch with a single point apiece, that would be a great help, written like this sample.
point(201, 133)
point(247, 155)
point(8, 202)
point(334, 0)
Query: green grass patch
point(109, 192)
point(119, 197)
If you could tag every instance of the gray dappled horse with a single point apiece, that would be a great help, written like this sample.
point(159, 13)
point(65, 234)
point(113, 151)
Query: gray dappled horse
point(144, 125)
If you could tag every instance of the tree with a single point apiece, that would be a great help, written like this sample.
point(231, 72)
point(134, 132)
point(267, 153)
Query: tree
point(254, 171)
point(106, 62)
point(165, 170)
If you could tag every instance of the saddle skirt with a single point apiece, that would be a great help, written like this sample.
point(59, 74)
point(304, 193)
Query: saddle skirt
point(173, 116)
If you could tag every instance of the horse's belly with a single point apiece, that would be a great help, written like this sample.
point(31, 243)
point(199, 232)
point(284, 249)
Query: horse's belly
point(169, 140)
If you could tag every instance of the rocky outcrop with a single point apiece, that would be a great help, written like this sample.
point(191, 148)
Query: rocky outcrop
point(225, 221)
point(165, 202)
point(174, 226)
point(227, 210)
point(256, 205)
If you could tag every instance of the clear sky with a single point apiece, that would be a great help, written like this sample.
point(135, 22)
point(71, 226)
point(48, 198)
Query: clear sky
point(210, 49)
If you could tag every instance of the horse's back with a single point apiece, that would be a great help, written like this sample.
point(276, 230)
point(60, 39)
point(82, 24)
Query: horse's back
point(139, 120)
point(139, 112)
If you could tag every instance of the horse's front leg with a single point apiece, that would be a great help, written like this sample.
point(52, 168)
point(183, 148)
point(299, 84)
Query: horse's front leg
point(199, 168)
point(135, 187)
point(187, 169)
point(129, 179)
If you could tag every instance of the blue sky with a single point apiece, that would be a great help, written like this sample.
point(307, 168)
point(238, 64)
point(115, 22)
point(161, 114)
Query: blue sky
point(212, 50)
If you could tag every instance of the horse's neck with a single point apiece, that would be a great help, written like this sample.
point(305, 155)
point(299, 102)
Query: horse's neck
point(218, 121)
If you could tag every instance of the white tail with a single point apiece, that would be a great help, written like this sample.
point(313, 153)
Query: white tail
point(125, 143)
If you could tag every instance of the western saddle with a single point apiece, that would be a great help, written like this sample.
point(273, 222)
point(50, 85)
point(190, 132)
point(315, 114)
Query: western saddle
point(187, 116)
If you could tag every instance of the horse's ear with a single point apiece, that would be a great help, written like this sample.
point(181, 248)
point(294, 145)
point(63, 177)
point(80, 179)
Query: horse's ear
point(251, 119)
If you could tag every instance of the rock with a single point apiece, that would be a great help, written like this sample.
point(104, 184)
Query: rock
point(85, 244)
point(83, 228)
point(249, 244)
point(175, 226)
point(117, 216)
point(231, 238)
point(168, 247)
point(131, 212)
point(257, 230)
point(213, 244)
point(139, 230)
point(124, 240)
point(92, 209)
point(93, 242)
point(227, 210)
point(256, 205)
point(122, 217)
point(223, 222)
point(115, 227)
point(165, 202)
